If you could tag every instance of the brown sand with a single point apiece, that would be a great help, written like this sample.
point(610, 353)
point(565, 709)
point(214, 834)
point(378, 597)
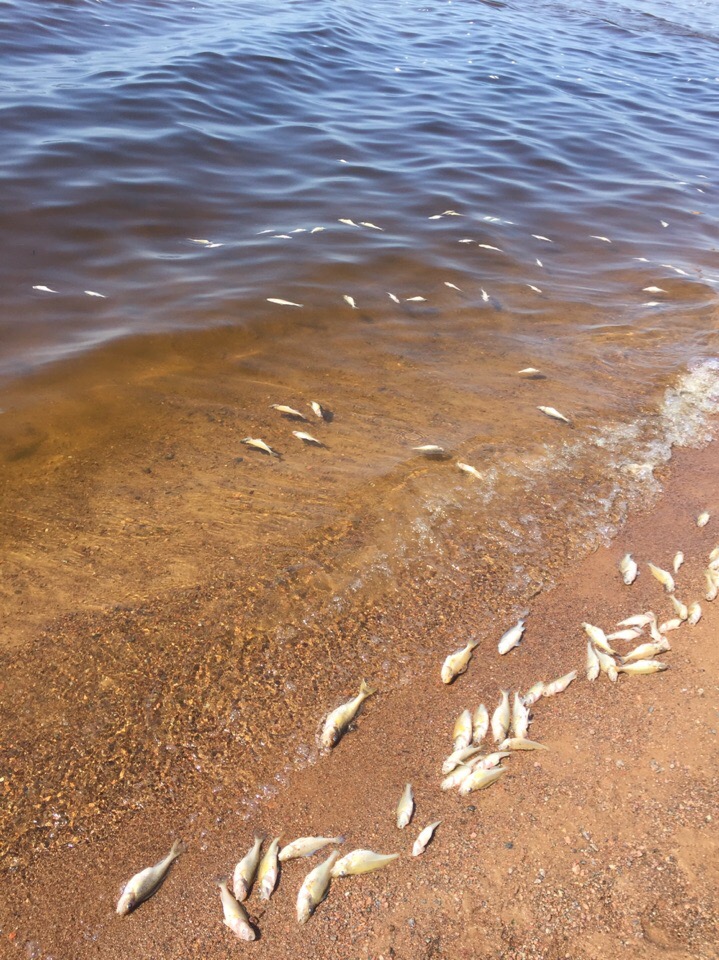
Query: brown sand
point(607, 844)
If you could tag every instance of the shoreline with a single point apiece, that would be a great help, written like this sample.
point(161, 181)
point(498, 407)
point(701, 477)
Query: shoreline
point(644, 878)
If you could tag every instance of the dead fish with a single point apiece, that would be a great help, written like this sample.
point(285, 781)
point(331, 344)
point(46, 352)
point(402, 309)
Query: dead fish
point(703, 519)
point(488, 246)
point(532, 287)
point(306, 847)
point(394, 298)
point(246, 869)
point(560, 684)
point(430, 450)
point(235, 915)
point(288, 411)
point(628, 569)
point(44, 289)
point(480, 780)
point(372, 226)
point(595, 236)
point(466, 468)
point(641, 667)
point(452, 286)
point(420, 844)
point(630, 633)
point(534, 693)
point(456, 776)
point(315, 888)
point(554, 414)
point(695, 614)
point(350, 300)
point(672, 624)
point(592, 662)
point(714, 555)
point(531, 373)
point(501, 718)
point(712, 584)
point(307, 438)
point(405, 807)
point(677, 561)
point(94, 293)
point(491, 761)
point(679, 608)
point(362, 861)
point(338, 720)
point(538, 236)
point(485, 295)
point(607, 665)
point(206, 242)
point(647, 650)
point(284, 303)
point(458, 757)
point(259, 445)
point(456, 663)
point(480, 724)
point(653, 290)
point(663, 576)
point(598, 638)
point(462, 733)
point(350, 223)
point(316, 229)
point(511, 638)
point(147, 881)
point(520, 718)
point(269, 870)
point(521, 743)
point(638, 620)
point(416, 299)
point(319, 410)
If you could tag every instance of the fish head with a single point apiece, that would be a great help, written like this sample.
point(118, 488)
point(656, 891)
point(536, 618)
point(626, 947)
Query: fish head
point(125, 903)
point(305, 906)
point(241, 928)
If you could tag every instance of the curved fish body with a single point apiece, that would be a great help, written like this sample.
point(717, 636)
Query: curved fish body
point(628, 634)
point(244, 875)
point(405, 807)
point(338, 720)
point(269, 870)
point(146, 882)
point(640, 667)
point(535, 692)
point(462, 733)
point(456, 663)
point(677, 561)
point(607, 665)
point(362, 861)
point(669, 625)
point(521, 743)
point(315, 888)
point(420, 844)
point(480, 780)
point(593, 666)
point(679, 608)
point(628, 569)
point(455, 778)
point(288, 411)
point(598, 638)
point(647, 651)
point(695, 614)
point(259, 444)
point(511, 638)
point(306, 847)
point(703, 519)
point(520, 717)
point(560, 684)
point(235, 915)
point(458, 757)
point(554, 414)
point(307, 438)
point(491, 761)
point(639, 620)
point(663, 576)
point(501, 718)
point(480, 724)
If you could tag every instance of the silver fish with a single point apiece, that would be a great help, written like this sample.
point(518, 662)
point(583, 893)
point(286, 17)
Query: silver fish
point(480, 724)
point(608, 665)
point(259, 445)
point(235, 915)
point(315, 888)
point(307, 438)
point(362, 861)
point(430, 450)
point(288, 411)
point(647, 650)
point(663, 576)
point(338, 720)
point(467, 468)
point(703, 519)
point(672, 624)
point(284, 303)
point(628, 569)
point(405, 807)
point(318, 410)
point(638, 620)
point(511, 638)
point(462, 733)
point(679, 608)
point(420, 844)
point(306, 847)
point(490, 761)
point(629, 634)
point(695, 614)
point(350, 300)
point(535, 692)
point(501, 718)
point(639, 667)
point(677, 561)
point(554, 414)
point(245, 871)
point(520, 718)
point(458, 757)
point(269, 870)
point(456, 776)
point(480, 780)
point(598, 638)
point(456, 663)
point(560, 684)
point(147, 881)
point(521, 743)
point(712, 584)
point(593, 666)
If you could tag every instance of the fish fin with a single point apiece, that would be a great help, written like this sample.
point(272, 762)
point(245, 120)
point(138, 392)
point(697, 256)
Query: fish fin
point(367, 689)
point(178, 847)
point(473, 644)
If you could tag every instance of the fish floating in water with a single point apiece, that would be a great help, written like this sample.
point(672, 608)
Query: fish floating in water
point(555, 414)
point(628, 569)
point(288, 411)
point(43, 289)
point(307, 438)
point(146, 882)
point(420, 844)
point(350, 300)
point(315, 888)
point(430, 450)
point(338, 720)
point(456, 663)
point(235, 915)
point(284, 303)
point(466, 468)
point(405, 807)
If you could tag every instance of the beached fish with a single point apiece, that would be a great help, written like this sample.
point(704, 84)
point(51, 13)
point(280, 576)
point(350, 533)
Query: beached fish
point(521, 743)
point(269, 870)
point(663, 576)
point(596, 236)
point(147, 881)
point(629, 634)
point(592, 662)
point(420, 844)
point(315, 888)
point(393, 297)
point(466, 468)
point(462, 733)
point(319, 410)
point(43, 289)
point(538, 236)
point(415, 299)
point(677, 561)
point(535, 692)
point(350, 223)
point(306, 847)
point(714, 555)
point(452, 286)
point(339, 719)
point(712, 584)
point(598, 638)
point(703, 519)
point(531, 373)
point(695, 614)
point(288, 411)
point(488, 246)
point(456, 776)
point(554, 414)
point(372, 226)
point(458, 757)
point(560, 684)
point(639, 620)
point(532, 287)
point(520, 718)
point(235, 915)
point(485, 295)
point(94, 293)
point(259, 445)
point(628, 569)
point(511, 638)
point(607, 665)
point(501, 718)
point(430, 450)
point(246, 869)
point(456, 663)
point(679, 608)
point(307, 438)
point(640, 667)
point(646, 651)
point(362, 861)
point(284, 303)
point(405, 807)
point(491, 761)
point(480, 780)
point(672, 624)
point(350, 300)
point(480, 724)
point(653, 290)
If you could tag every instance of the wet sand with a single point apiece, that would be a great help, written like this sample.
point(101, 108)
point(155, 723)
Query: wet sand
point(605, 844)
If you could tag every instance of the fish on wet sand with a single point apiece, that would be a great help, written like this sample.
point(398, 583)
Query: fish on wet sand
point(520, 717)
point(480, 724)
point(405, 807)
point(663, 576)
point(306, 847)
point(362, 861)
point(641, 667)
point(456, 663)
point(315, 887)
point(307, 438)
point(593, 666)
point(431, 450)
point(458, 757)
point(510, 638)
point(468, 468)
point(480, 780)
point(501, 718)
point(628, 569)
point(288, 411)
point(420, 844)
point(646, 650)
point(235, 915)
point(555, 414)
point(244, 875)
point(598, 638)
point(147, 881)
point(560, 684)
point(258, 444)
point(269, 870)
point(319, 410)
point(339, 719)
point(462, 733)
point(521, 743)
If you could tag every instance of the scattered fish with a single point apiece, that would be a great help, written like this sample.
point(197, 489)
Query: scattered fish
point(592, 662)
point(511, 638)
point(628, 569)
point(350, 223)
point(269, 870)
point(647, 650)
point(44, 289)
point(521, 743)
point(307, 438)
point(703, 519)
point(372, 226)
point(480, 724)
point(485, 295)
point(362, 861)
point(679, 608)
point(306, 847)
point(316, 229)
point(532, 287)
point(462, 733)
point(712, 585)
point(315, 888)
point(430, 450)
point(520, 718)
point(535, 692)
point(456, 776)
point(695, 614)
point(420, 844)
point(595, 236)
point(405, 807)
point(663, 576)
point(416, 299)
point(94, 293)
point(466, 468)
point(598, 638)
point(560, 684)
point(458, 757)
point(288, 411)
point(480, 780)
point(491, 761)
point(630, 633)
point(393, 297)
point(638, 620)
point(207, 242)
point(259, 445)
point(501, 718)
point(456, 663)
point(642, 667)
point(653, 290)
point(338, 720)
point(350, 300)
point(319, 410)
point(669, 625)
point(452, 286)
point(554, 414)
point(539, 262)
point(488, 246)
point(607, 665)
point(147, 881)
point(538, 236)
point(235, 915)
point(284, 303)
point(531, 373)
point(245, 871)
point(677, 561)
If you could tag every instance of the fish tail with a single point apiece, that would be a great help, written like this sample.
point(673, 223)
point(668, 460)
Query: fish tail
point(366, 688)
point(178, 847)
point(473, 644)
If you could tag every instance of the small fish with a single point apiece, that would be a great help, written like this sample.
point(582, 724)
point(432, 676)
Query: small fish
point(466, 468)
point(147, 881)
point(672, 624)
point(703, 519)
point(539, 263)
point(501, 718)
point(520, 718)
point(316, 229)
point(712, 585)
point(452, 213)
point(534, 693)
point(394, 298)
point(466, 240)
point(538, 236)
point(653, 290)
point(488, 246)
point(462, 733)
point(319, 410)
point(485, 295)
point(259, 445)
point(299, 230)
point(206, 242)
point(679, 608)
point(677, 561)
point(532, 287)
point(405, 807)
point(598, 638)
point(458, 757)
point(306, 847)
point(420, 844)
point(269, 870)
point(372, 226)
point(521, 743)
point(628, 569)
point(415, 299)
point(452, 286)
point(638, 620)
point(480, 780)
point(592, 662)
point(350, 300)
point(560, 684)
point(338, 720)
point(511, 638)
point(315, 888)
point(554, 414)
point(631, 633)
point(94, 293)
point(480, 724)
point(530, 373)
point(608, 665)
point(663, 576)
point(307, 438)
point(284, 303)
point(714, 555)
point(642, 667)
point(362, 861)
point(245, 871)
point(235, 915)
point(288, 411)
point(350, 223)
point(44, 289)
point(647, 650)
point(430, 450)
point(695, 614)
point(456, 663)
point(491, 761)
point(595, 236)
point(284, 236)
point(456, 776)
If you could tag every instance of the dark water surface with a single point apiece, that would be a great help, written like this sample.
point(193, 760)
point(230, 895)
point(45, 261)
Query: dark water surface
point(527, 170)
